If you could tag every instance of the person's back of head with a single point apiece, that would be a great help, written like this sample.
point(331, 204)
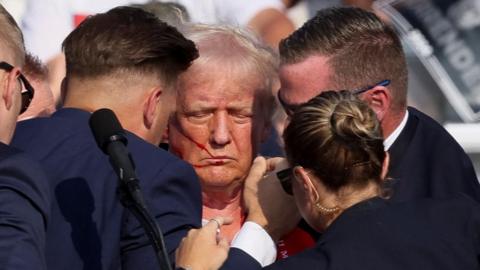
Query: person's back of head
point(360, 48)
point(127, 40)
point(12, 58)
point(12, 49)
point(127, 60)
point(339, 138)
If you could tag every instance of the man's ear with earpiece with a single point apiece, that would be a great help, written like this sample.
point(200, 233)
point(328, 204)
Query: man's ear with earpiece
point(379, 99)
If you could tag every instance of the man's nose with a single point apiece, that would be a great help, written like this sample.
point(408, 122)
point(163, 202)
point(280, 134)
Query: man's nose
point(220, 130)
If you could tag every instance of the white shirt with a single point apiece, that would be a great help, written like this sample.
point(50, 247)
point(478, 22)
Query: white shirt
point(255, 241)
point(388, 142)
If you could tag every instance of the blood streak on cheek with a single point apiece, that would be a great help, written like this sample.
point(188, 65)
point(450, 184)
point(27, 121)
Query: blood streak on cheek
point(201, 147)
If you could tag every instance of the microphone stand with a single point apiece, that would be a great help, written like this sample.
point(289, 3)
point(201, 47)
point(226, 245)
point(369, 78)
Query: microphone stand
point(131, 198)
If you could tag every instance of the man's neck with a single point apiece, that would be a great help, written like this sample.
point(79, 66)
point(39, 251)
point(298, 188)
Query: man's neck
point(391, 121)
point(225, 204)
point(227, 200)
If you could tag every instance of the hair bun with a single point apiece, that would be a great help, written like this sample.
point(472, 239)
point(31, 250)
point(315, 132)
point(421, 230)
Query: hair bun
point(353, 121)
point(338, 137)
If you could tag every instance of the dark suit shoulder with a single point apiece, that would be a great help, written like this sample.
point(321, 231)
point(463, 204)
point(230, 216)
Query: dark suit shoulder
point(25, 210)
point(7, 151)
point(423, 234)
point(434, 131)
point(426, 161)
point(25, 176)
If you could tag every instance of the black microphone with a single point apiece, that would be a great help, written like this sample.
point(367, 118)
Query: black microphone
point(110, 137)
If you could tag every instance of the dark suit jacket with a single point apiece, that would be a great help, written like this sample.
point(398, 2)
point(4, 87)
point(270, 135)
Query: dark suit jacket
point(425, 161)
point(89, 228)
point(380, 234)
point(24, 210)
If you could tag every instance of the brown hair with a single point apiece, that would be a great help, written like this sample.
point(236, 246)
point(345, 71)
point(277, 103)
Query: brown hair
point(34, 69)
point(11, 37)
point(127, 39)
point(339, 138)
point(362, 50)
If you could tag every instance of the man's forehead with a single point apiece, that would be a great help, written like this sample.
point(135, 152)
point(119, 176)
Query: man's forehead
point(303, 80)
point(217, 100)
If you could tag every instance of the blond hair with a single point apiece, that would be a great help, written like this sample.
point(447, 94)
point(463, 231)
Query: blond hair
point(11, 37)
point(339, 138)
point(240, 50)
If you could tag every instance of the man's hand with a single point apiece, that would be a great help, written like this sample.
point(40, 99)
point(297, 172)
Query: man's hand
point(204, 249)
point(266, 202)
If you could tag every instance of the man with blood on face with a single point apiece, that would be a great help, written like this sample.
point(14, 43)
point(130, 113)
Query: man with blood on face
point(224, 107)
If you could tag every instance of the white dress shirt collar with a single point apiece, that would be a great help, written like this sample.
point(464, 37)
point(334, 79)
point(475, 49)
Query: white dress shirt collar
point(388, 142)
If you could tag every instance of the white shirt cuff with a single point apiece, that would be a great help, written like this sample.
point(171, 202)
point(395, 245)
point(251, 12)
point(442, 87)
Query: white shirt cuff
point(256, 242)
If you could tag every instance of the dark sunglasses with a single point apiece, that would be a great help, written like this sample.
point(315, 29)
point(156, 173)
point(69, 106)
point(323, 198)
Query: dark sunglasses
point(285, 177)
point(291, 108)
point(27, 89)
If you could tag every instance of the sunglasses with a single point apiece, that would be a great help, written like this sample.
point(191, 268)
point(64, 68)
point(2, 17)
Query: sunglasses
point(285, 177)
point(27, 89)
point(291, 108)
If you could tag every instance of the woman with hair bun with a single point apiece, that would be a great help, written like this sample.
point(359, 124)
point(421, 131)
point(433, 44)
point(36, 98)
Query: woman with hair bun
point(334, 145)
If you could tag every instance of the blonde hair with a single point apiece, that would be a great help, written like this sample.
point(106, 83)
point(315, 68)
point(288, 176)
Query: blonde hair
point(11, 37)
point(240, 49)
point(339, 138)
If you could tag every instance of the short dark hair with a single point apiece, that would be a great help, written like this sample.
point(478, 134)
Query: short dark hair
point(339, 138)
point(11, 36)
point(362, 50)
point(127, 39)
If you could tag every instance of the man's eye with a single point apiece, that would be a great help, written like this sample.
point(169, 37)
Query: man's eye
point(242, 117)
point(198, 116)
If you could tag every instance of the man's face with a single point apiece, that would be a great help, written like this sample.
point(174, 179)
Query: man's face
point(218, 125)
point(302, 81)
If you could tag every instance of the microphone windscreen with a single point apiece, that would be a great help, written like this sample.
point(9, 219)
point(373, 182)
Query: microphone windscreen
point(105, 127)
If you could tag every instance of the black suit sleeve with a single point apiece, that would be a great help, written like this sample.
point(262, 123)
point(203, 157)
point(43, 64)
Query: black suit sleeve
point(238, 259)
point(175, 201)
point(24, 208)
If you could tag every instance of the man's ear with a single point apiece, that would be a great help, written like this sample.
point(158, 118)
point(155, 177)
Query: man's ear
point(379, 99)
point(150, 106)
point(10, 86)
